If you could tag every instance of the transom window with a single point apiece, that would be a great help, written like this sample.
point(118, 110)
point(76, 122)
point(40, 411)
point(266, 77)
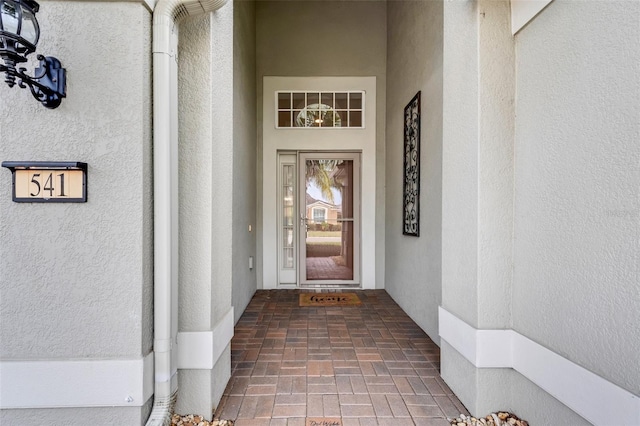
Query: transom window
point(320, 109)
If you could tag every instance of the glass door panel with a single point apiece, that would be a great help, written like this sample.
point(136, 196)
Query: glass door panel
point(287, 272)
point(329, 240)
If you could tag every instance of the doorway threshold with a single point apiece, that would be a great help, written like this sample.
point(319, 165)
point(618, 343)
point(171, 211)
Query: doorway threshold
point(320, 287)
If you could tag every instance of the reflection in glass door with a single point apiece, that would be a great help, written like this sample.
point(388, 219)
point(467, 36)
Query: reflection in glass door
point(329, 217)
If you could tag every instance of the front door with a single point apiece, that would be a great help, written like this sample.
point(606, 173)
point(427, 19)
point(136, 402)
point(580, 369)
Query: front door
point(329, 218)
point(319, 241)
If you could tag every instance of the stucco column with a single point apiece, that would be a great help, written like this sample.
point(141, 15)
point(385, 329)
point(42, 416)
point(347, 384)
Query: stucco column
point(206, 193)
point(477, 182)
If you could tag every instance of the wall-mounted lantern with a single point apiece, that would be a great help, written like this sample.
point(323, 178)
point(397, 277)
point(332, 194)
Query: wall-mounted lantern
point(19, 34)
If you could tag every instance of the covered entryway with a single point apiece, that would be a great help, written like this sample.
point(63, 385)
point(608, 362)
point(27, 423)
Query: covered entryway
point(368, 365)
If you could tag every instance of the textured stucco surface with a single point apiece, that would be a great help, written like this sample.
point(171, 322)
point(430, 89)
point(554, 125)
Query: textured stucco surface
point(460, 375)
point(222, 183)
point(477, 186)
point(244, 154)
point(509, 390)
point(477, 212)
point(195, 184)
point(76, 278)
point(413, 265)
point(352, 43)
point(206, 155)
point(222, 160)
point(101, 416)
point(576, 198)
point(577, 227)
point(200, 391)
point(496, 99)
point(221, 375)
point(537, 406)
point(196, 194)
point(194, 392)
point(482, 390)
point(460, 161)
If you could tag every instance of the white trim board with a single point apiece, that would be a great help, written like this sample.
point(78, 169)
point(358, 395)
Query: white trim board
point(591, 396)
point(100, 382)
point(200, 350)
point(76, 383)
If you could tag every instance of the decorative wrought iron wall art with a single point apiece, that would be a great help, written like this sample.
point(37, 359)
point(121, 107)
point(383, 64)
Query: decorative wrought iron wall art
point(411, 204)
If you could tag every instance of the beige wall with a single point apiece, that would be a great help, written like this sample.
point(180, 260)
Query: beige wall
point(76, 279)
point(195, 150)
point(540, 208)
point(217, 186)
point(577, 192)
point(244, 154)
point(414, 60)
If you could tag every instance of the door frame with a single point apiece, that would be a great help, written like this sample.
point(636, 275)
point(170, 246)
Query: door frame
point(276, 139)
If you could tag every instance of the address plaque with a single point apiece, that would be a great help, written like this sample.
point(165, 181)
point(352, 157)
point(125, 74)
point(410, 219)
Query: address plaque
point(48, 181)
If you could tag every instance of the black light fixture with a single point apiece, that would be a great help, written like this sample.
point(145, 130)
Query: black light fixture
point(19, 34)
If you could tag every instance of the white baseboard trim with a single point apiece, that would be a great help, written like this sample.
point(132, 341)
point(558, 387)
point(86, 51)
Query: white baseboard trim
point(104, 382)
point(76, 383)
point(591, 396)
point(200, 350)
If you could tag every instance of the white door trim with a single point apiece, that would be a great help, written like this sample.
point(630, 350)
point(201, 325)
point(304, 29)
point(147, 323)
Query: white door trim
point(354, 139)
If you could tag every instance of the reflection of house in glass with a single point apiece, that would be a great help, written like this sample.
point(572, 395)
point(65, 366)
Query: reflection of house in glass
point(319, 211)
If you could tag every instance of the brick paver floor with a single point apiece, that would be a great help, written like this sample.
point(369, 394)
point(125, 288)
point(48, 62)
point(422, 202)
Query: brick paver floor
point(325, 268)
point(368, 365)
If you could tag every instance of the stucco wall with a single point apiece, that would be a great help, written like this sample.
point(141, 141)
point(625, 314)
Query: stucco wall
point(414, 61)
point(195, 183)
point(577, 193)
point(206, 195)
point(477, 177)
point(244, 154)
point(460, 160)
point(575, 196)
point(196, 199)
point(222, 177)
point(76, 279)
point(477, 183)
point(222, 159)
point(352, 42)
point(105, 416)
point(460, 187)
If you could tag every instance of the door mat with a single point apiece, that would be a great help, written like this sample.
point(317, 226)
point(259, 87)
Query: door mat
point(323, 421)
point(329, 299)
